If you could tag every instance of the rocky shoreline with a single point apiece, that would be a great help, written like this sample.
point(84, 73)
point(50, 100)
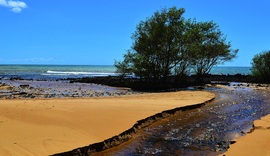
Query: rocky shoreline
point(30, 89)
point(143, 85)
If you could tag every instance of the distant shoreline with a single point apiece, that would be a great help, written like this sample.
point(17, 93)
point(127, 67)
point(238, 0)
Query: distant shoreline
point(78, 71)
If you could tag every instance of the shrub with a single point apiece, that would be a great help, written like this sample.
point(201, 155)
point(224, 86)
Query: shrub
point(261, 66)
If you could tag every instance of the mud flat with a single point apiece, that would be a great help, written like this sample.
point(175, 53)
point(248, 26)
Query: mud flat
point(55, 125)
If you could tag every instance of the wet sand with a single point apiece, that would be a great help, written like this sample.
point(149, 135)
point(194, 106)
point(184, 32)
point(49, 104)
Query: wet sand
point(49, 126)
point(207, 130)
point(256, 142)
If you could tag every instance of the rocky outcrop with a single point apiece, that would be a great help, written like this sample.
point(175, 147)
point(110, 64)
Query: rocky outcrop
point(26, 92)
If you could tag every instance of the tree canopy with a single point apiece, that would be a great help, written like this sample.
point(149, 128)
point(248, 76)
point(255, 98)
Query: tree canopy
point(261, 66)
point(208, 48)
point(166, 44)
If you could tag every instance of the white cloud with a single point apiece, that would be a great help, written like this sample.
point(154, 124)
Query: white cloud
point(17, 10)
point(3, 2)
point(15, 5)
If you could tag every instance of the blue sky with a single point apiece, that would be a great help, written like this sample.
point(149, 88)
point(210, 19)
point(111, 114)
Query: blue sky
point(90, 32)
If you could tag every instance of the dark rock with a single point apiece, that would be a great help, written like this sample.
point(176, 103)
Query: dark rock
point(24, 86)
point(200, 87)
point(22, 93)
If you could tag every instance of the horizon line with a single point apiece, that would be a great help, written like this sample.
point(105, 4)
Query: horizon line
point(99, 65)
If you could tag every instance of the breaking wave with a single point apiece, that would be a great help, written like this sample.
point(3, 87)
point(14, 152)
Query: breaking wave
point(79, 73)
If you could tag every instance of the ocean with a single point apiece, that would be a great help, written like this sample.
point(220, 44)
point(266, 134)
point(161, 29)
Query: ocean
point(77, 71)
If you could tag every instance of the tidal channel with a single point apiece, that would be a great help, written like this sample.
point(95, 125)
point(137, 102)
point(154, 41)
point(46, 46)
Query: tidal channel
point(204, 131)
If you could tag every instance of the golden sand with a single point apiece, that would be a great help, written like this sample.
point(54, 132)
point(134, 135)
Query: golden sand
point(48, 126)
point(255, 143)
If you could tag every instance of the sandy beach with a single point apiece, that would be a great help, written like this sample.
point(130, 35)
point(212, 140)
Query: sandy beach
point(49, 126)
point(256, 142)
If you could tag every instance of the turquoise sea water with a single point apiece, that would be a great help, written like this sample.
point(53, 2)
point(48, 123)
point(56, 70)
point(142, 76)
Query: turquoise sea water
point(64, 71)
point(55, 71)
point(230, 70)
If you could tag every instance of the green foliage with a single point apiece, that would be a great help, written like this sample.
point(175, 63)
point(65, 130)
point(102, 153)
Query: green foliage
point(158, 42)
point(167, 44)
point(261, 66)
point(208, 47)
point(122, 68)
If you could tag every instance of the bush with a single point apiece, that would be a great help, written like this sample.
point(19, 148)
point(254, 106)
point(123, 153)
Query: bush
point(261, 66)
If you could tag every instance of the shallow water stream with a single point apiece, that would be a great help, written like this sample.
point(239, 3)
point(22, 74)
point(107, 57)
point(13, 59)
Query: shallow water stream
point(204, 131)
